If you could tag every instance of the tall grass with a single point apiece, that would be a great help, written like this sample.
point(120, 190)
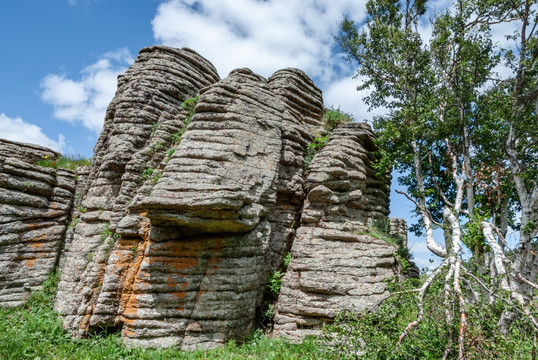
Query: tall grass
point(34, 331)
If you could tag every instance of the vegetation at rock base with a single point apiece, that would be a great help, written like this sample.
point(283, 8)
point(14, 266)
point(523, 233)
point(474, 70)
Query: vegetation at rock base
point(375, 334)
point(464, 140)
point(274, 282)
point(64, 162)
point(34, 331)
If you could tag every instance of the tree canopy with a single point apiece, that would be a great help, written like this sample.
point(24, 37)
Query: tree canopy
point(462, 128)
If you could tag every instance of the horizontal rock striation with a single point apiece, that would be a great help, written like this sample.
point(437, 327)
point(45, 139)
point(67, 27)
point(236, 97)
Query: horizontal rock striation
point(138, 131)
point(196, 192)
point(336, 263)
point(221, 175)
point(214, 213)
point(179, 227)
point(35, 203)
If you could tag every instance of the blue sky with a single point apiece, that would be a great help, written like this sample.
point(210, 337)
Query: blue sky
point(61, 58)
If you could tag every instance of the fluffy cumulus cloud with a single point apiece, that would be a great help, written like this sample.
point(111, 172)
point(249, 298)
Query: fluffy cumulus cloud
point(84, 100)
point(16, 129)
point(262, 35)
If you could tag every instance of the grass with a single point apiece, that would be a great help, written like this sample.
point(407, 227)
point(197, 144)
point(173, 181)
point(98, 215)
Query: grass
point(64, 162)
point(34, 331)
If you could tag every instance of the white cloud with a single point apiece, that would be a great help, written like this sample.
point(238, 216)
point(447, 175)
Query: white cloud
point(85, 100)
point(262, 35)
point(16, 129)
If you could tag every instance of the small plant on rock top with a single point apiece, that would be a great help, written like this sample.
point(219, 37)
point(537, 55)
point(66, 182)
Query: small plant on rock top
point(334, 117)
point(64, 162)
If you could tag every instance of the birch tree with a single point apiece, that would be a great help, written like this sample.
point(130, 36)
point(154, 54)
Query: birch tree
point(465, 140)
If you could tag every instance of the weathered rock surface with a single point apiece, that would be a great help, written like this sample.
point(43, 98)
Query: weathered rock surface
point(216, 226)
point(175, 229)
point(137, 133)
point(336, 264)
point(35, 203)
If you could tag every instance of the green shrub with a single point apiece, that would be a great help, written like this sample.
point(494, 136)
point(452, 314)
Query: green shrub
point(314, 148)
point(147, 173)
point(275, 282)
point(334, 117)
point(189, 106)
point(373, 333)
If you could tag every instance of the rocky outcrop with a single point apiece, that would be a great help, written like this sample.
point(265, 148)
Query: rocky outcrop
point(336, 263)
point(137, 133)
point(215, 227)
point(186, 212)
point(35, 202)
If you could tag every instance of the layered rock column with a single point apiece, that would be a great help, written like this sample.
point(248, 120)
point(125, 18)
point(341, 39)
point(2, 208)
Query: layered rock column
point(175, 228)
point(214, 231)
point(336, 264)
point(180, 257)
point(137, 134)
point(35, 203)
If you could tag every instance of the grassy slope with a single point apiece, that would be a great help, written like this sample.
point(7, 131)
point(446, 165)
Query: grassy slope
point(35, 332)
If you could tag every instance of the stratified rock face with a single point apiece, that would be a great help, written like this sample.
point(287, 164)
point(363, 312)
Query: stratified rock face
point(398, 229)
point(137, 134)
point(35, 202)
point(175, 229)
point(336, 265)
point(176, 238)
point(206, 233)
point(222, 174)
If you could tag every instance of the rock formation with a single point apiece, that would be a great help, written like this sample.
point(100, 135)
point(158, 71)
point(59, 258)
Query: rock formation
point(185, 213)
point(336, 264)
point(35, 203)
point(137, 133)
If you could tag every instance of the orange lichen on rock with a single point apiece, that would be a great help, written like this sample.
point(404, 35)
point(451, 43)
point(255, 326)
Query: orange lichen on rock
point(30, 263)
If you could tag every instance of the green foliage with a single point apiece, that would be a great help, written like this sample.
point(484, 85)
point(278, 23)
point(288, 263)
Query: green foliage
point(73, 223)
point(34, 331)
point(156, 176)
point(170, 153)
point(374, 334)
point(286, 260)
point(380, 230)
point(275, 282)
point(334, 117)
point(440, 106)
point(65, 162)
point(147, 173)
point(106, 232)
point(473, 236)
point(313, 148)
point(189, 106)
point(155, 127)
point(154, 148)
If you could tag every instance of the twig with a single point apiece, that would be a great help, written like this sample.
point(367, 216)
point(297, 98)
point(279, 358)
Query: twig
point(421, 294)
point(419, 207)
